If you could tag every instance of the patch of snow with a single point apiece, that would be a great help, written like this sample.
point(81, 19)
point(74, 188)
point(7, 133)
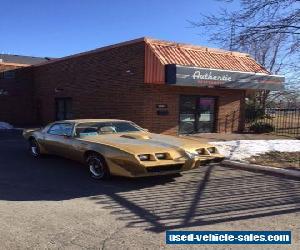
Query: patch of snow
point(5, 125)
point(242, 149)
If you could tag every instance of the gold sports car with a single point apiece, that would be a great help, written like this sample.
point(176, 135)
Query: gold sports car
point(118, 147)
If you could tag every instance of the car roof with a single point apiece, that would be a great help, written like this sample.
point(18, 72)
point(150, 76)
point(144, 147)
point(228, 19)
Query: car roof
point(92, 120)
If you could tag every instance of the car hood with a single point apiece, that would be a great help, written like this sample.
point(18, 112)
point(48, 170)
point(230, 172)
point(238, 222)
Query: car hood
point(146, 142)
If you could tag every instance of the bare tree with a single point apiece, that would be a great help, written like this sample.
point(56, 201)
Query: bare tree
point(269, 30)
point(255, 20)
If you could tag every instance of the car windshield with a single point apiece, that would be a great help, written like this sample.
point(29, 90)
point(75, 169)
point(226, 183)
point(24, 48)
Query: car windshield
point(98, 128)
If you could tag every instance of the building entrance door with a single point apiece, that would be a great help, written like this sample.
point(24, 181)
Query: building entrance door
point(63, 108)
point(197, 114)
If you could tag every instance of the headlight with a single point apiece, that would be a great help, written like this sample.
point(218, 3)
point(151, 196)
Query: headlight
point(212, 150)
point(161, 156)
point(144, 157)
point(201, 151)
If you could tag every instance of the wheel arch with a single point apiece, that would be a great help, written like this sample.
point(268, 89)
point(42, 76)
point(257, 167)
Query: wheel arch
point(89, 152)
point(36, 138)
point(31, 138)
point(99, 155)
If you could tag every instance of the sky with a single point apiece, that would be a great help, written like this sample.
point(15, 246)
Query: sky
point(56, 28)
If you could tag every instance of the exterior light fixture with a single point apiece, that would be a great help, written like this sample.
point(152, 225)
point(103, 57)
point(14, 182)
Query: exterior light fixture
point(129, 71)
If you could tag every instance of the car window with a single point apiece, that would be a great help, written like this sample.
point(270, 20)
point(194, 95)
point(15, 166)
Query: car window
point(98, 128)
point(61, 129)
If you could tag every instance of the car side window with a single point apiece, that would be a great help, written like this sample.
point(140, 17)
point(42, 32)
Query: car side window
point(61, 129)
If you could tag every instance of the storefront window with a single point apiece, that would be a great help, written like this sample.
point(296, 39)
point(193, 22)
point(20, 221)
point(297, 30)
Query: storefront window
point(187, 123)
point(188, 103)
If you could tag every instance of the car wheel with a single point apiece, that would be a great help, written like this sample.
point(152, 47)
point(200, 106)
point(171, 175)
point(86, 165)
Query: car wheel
point(97, 167)
point(34, 148)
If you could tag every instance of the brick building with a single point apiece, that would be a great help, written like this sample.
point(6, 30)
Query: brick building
point(162, 86)
point(16, 88)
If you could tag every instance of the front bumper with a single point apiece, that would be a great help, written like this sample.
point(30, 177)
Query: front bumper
point(169, 168)
point(209, 161)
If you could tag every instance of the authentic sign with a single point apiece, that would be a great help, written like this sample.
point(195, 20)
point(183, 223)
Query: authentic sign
point(202, 77)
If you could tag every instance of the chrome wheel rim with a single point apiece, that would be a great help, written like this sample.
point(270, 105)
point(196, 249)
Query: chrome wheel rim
point(34, 149)
point(96, 167)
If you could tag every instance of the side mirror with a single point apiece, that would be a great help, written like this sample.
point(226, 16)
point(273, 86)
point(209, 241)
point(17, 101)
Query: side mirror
point(146, 130)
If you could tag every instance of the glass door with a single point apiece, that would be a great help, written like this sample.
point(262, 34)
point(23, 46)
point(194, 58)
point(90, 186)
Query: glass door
point(187, 114)
point(197, 114)
point(206, 115)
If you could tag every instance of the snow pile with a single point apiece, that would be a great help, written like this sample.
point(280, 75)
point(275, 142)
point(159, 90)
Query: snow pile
point(5, 125)
point(242, 149)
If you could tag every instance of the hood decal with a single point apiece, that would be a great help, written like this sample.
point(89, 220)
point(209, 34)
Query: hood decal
point(135, 142)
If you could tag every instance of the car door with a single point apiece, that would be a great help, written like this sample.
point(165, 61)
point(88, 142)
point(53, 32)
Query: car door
point(58, 139)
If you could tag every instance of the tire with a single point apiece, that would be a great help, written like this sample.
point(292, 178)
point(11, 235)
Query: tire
point(34, 148)
point(97, 167)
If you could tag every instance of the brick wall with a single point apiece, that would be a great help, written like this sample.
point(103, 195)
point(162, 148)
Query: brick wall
point(106, 84)
point(229, 116)
point(16, 105)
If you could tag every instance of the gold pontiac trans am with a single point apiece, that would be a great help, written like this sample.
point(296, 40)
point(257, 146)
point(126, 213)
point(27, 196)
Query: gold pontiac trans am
point(119, 147)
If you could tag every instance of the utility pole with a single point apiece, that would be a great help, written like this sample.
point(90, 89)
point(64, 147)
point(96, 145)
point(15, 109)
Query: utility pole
point(232, 34)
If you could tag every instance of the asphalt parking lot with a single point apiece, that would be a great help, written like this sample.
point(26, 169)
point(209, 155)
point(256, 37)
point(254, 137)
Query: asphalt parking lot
point(53, 203)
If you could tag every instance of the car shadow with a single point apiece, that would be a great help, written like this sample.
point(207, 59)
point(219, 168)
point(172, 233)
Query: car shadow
point(24, 178)
point(208, 195)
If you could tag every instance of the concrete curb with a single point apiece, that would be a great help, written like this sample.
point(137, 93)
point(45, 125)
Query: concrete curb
point(245, 165)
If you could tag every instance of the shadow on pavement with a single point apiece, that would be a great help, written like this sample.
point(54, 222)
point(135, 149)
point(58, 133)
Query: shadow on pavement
point(208, 195)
